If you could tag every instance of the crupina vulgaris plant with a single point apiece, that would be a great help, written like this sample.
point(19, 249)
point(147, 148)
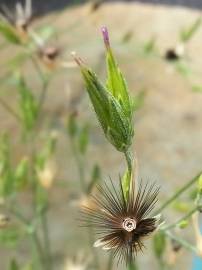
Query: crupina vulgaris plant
point(121, 216)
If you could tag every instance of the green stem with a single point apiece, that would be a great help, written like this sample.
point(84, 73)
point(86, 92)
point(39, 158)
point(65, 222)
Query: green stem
point(79, 164)
point(181, 241)
point(9, 110)
point(126, 181)
point(178, 193)
point(38, 249)
point(128, 157)
point(188, 215)
point(33, 235)
point(47, 247)
point(45, 83)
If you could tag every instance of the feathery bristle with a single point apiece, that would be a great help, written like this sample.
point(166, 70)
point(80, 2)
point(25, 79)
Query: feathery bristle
point(120, 224)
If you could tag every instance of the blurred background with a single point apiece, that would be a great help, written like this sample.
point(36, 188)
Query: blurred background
point(157, 44)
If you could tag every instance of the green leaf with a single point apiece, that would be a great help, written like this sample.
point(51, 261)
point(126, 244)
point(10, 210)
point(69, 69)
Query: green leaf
point(159, 244)
point(149, 46)
point(41, 199)
point(28, 105)
point(138, 100)
point(95, 177)
point(116, 84)
point(18, 60)
point(187, 34)
point(200, 184)
point(126, 180)
point(6, 172)
point(197, 88)
point(183, 68)
point(83, 139)
point(29, 266)
point(127, 36)
point(9, 33)
point(21, 173)
point(181, 206)
point(72, 127)
point(46, 151)
point(13, 265)
point(46, 32)
point(183, 224)
point(132, 266)
point(10, 237)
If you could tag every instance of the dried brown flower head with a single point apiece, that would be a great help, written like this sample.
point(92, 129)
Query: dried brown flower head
point(122, 224)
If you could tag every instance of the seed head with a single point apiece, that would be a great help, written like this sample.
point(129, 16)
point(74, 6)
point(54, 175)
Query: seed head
point(122, 224)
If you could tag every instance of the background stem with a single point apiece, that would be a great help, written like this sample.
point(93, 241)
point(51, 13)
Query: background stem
point(178, 193)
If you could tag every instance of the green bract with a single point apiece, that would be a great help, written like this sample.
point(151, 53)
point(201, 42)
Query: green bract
point(111, 102)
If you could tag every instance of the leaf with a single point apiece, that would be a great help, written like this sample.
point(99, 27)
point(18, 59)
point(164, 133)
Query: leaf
point(183, 68)
point(126, 180)
point(9, 33)
point(95, 177)
point(46, 32)
point(6, 172)
point(200, 184)
point(41, 199)
point(116, 84)
point(46, 152)
point(21, 173)
point(149, 46)
point(159, 244)
point(138, 100)
point(197, 88)
point(187, 34)
point(10, 237)
point(83, 139)
point(183, 224)
point(18, 60)
point(72, 127)
point(13, 265)
point(133, 266)
point(181, 206)
point(28, 105)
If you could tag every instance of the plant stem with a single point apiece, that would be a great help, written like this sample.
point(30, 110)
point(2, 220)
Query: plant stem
point(79, 164)
point(181, 241)
point(128, 157)
point(33, 235)
point(188, 215)
point(38, 249)
point(126, 180)
point(178, 193)
point(10, 110)
point(47, 247)
point(45, 83)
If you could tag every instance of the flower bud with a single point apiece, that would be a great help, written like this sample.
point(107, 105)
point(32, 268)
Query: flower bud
point(112, 103)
